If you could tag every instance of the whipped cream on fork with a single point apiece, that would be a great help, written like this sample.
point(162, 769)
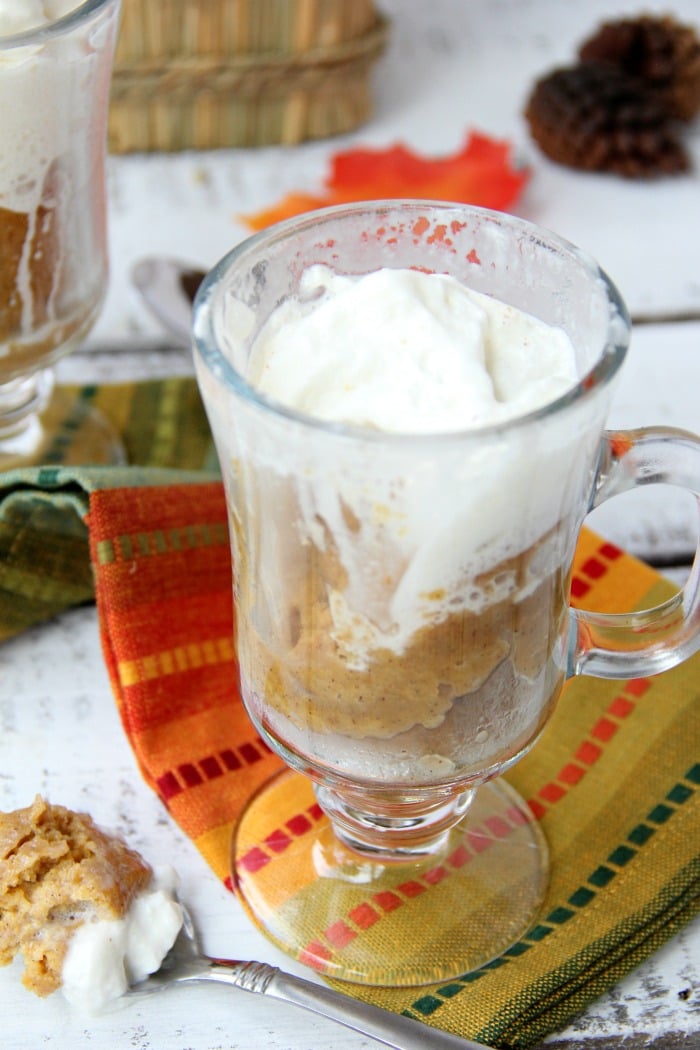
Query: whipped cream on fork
point(106, 956)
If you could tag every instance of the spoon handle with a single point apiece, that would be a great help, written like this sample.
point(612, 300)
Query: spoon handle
point(395, 1030)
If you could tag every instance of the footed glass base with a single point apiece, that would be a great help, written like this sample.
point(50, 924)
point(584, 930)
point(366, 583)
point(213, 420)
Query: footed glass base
point(389, 922)
point(67, 430)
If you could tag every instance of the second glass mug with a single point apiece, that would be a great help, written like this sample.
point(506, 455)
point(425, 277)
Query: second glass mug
point(403, 626)
point(54, 98)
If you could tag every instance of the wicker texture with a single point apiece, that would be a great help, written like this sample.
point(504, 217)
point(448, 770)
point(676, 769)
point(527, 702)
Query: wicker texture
point(204, 74)
point(181, 28)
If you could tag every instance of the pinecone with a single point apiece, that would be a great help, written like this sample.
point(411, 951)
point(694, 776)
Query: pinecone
point(656, 49)
point(596, 118)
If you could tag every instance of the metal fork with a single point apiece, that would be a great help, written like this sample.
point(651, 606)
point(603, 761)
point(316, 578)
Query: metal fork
point(185, 962)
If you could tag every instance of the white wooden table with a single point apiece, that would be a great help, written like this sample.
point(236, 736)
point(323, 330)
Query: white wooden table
point(451, 65)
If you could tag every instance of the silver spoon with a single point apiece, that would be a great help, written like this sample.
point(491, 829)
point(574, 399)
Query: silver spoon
point(185, 962)
point(168, 288)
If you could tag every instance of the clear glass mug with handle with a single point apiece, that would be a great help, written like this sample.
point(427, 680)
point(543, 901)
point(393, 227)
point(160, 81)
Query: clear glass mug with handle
point(54, 98)
point(403, 626)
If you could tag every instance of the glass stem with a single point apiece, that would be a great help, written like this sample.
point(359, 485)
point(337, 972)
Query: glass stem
point(390, 828)
point(21, 401)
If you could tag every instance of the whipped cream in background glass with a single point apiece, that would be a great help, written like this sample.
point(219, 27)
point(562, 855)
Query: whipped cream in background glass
point(54, 89)
point(17, 16)
point(36, 84)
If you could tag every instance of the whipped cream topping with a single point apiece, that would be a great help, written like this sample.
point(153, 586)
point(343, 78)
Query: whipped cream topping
point(105, 957)
point(17, 16)
point(409, 352)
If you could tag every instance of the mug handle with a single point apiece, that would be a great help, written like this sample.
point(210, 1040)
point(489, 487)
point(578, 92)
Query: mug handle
point(638, 644)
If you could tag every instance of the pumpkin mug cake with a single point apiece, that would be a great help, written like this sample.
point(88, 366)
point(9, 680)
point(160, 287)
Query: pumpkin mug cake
point(87, 913)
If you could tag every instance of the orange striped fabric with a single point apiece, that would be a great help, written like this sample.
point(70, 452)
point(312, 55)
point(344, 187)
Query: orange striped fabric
point(613, 781)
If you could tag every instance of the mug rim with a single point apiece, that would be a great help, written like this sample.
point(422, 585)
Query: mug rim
point(604, 369)
point(63, 24)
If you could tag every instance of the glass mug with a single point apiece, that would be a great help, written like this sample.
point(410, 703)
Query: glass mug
point(54, 98)
point(403, 626)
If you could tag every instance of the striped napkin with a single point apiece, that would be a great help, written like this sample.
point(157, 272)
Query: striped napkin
point(614, 780)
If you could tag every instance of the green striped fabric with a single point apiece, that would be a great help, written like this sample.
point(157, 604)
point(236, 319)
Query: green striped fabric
point(44, 553)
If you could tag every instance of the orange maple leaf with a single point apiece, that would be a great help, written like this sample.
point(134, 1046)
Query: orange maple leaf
point(480, 173)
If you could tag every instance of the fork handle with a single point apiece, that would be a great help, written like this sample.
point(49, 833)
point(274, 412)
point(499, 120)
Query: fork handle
point(393, 1030)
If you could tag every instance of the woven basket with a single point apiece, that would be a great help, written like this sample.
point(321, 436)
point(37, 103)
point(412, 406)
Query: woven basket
point(204, 74)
